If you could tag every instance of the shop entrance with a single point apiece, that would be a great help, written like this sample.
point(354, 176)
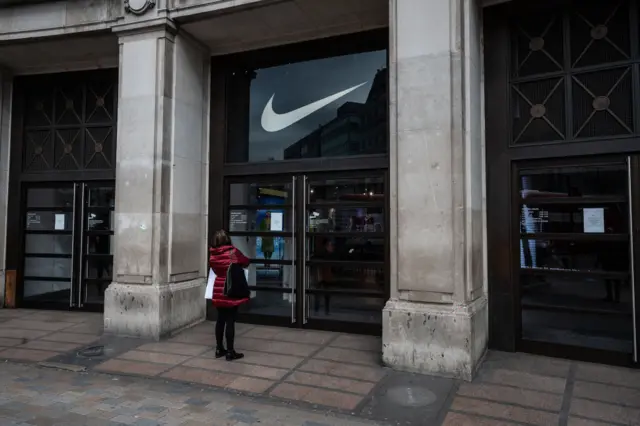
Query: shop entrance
point(62, 188)
point(562, 134)
point(578, 255)
point(68, 244)
point(317, 247)
point(299, 161)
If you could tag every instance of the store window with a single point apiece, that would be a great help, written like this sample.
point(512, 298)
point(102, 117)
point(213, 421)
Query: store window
point(330, 107)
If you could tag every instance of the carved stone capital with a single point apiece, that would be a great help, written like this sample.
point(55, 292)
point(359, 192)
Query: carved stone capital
point(138, 7)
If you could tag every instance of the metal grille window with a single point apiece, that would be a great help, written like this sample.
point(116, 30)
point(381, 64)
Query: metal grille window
point(69, 124)
point(574, 73)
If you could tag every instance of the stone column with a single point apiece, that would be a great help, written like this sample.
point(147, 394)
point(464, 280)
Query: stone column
point(6, 92)
point(436, 319)
point(160, 258)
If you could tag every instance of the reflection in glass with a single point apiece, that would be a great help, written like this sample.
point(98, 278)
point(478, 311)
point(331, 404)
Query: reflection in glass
point(569, 218)
point(269, 303)
point(345, 219)
point(588, 256)
point(336, 275)
point(94, 291)
point(348, 249)
point(49, 244)
point(585, 312)
point(567, 192)
point(99, 220)
point(346, 308)
point(347, 190)
point(252, 194)
point(48, 221)
point(253, 247)
point(577, 182)
point(266, 273)
point(50, 291)
point(346, 277)
point(49, 197)
point(591, 309)
point(100, 244)
point(47, 267)
point(101, 197)
point(352, 122)
point(98, 267)
point(262, 220)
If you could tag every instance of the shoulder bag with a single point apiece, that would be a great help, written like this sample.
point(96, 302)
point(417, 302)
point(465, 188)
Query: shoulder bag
point(235, 285)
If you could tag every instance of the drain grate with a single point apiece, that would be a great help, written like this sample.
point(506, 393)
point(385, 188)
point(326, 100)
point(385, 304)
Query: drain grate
point(411, 396)
point(91, 352)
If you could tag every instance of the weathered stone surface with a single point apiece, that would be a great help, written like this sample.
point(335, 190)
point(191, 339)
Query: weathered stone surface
point(160, 233)
point(436, 320)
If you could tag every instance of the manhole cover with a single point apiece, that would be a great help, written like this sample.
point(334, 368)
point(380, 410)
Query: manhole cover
point(91, 352)
point(411, 396)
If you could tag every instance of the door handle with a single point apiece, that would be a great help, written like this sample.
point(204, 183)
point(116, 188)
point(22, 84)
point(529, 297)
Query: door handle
point(82, 247)
point(304, 251)
point(292, 271)
point(632, 260)
point(73, 244)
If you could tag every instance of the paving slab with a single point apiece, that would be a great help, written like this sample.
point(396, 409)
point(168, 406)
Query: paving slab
point(31, 396)
point(336, 375)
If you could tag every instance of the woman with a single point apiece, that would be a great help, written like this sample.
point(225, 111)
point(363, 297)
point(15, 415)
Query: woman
point(222, 254)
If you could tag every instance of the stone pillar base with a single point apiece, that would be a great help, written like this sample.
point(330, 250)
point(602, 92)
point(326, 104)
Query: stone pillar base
point(153, 311)
point(444, 340)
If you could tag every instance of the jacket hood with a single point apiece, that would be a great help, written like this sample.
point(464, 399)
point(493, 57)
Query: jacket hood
point(215, 251)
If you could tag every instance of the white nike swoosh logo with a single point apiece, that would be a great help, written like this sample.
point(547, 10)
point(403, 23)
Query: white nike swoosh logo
point(273, 122)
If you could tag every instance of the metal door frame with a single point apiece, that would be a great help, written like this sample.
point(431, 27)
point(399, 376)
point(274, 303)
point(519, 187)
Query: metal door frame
point(632, 163)
point(633, 168)
point(79, 302)
point(21, 247)
point(299, 289)
point(78, 255)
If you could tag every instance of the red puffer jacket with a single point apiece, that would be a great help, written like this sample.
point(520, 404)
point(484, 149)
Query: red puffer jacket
point(219, 260)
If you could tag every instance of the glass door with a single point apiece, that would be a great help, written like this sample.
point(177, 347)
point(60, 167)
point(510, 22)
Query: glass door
point(576, 265)
point(317, 246)
point(95, 242)
point(345, 251)
point(49, 232)
point(68, 248)
point(261, 222)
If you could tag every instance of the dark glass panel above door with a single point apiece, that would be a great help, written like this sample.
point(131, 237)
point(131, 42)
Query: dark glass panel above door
point(572, 72)
point(600, 32)
point(537, 45)
point(576, 183)
point(331, 107)
point(242, 194)
point(69, 121)
point(50, 197)
point(539, 111)
point(345, 191)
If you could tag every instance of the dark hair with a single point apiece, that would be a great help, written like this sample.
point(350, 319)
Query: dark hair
point(220, 238)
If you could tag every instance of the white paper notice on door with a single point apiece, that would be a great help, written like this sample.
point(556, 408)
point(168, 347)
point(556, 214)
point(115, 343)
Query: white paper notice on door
point(59, 222)
point(593, 220)
point(276, 221)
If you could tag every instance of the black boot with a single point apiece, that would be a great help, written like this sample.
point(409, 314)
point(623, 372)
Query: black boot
point(233, 355)
point(220, 352)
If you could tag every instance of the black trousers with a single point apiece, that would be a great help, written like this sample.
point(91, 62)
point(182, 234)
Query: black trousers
point(226, 325)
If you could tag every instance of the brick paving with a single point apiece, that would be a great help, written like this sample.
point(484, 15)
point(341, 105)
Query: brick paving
point(35, 396)
point(524, 389)
point(334, 370)
point(297, 370)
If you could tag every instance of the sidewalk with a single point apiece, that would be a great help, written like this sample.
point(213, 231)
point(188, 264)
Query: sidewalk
point(35, 396)
point(305, 373)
